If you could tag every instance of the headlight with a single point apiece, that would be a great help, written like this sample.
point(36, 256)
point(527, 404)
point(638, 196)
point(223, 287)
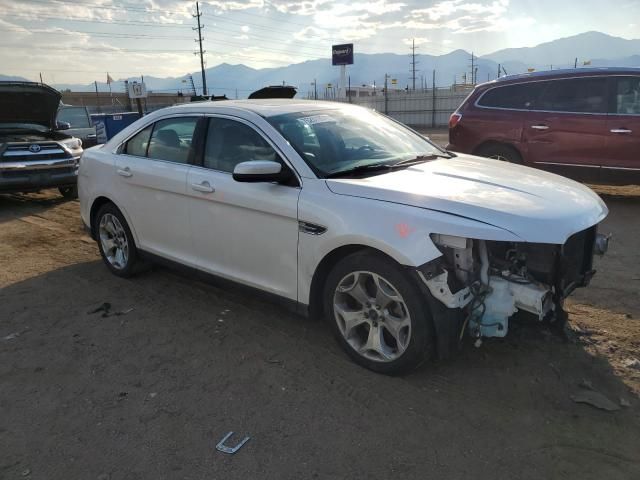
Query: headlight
point(72, 143)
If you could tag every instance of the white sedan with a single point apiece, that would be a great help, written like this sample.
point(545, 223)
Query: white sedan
point(344, 214)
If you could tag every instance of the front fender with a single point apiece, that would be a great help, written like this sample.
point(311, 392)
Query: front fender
point(400, 231)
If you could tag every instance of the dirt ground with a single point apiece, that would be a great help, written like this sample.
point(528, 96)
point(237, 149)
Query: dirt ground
point(148, 393)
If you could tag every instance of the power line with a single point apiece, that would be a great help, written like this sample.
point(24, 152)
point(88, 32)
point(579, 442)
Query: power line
point(311, 51)
point(93, 49)
point(123, 7)
point(133, 23)
point(96, 34)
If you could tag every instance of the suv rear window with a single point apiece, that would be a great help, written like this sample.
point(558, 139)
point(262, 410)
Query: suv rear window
point(575, 95)
point(76, 116)
point(520, 96)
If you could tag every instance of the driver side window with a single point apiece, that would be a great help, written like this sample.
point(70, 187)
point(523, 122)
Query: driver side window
point(230, 142)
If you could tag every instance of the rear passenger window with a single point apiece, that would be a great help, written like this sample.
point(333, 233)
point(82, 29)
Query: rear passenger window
point(519, 96)
point(137, 145)
point(576, 95)
point(628, 95)
point(172, 139)
point(230, 142)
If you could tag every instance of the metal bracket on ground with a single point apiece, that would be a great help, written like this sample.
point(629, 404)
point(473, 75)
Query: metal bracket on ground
point(221, 447)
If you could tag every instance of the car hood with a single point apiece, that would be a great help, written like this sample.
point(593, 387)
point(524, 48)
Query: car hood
point(536, 206)
point(28, 102)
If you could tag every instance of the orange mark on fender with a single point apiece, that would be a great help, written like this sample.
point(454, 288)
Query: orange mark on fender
point(404, 230)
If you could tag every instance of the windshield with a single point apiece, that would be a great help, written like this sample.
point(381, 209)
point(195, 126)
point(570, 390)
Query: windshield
point(24, 126)
point(332, 141)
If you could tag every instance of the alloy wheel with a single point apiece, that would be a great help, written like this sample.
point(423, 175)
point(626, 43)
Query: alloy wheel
point(372, 316)
point(113, 240)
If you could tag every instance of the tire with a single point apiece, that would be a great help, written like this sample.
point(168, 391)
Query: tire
point(401, 333)
point(69, 192)
point(502, 152)
point(113, 234)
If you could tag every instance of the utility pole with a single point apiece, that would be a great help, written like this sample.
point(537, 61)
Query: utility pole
point(315, 89)
point(386, 94)
point(499, 70)
point(41, 82)
point(433, 101)
point(575, 64)
point(413, 63)
point(97, 96)
point(199, 41)
point(473, 69)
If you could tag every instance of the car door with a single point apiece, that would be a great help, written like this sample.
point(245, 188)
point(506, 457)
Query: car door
point(152, 185)
point(566, 130)
point(623, 127)
point(247, 232)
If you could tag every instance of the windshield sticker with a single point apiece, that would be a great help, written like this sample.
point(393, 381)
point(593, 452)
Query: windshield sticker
point(312, 120)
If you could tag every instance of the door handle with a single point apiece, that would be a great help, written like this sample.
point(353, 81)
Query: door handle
point(540, 127)
point(204, 187)
point(125, 172)
point(620, 130)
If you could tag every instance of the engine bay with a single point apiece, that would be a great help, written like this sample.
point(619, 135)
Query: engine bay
point(492, 280)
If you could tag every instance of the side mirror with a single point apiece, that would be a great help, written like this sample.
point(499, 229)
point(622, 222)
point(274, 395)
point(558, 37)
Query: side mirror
point(62, 125)
point(260, 171)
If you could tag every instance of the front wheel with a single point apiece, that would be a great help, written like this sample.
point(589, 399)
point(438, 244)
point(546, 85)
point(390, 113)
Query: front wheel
point(377, 314)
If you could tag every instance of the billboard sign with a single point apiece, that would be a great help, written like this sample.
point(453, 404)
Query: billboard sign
point(342, 54)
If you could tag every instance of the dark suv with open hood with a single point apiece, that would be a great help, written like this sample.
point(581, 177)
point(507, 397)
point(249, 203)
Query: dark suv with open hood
point(34, 154)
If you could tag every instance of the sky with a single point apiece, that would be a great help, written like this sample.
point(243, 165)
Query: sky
point(80, 41)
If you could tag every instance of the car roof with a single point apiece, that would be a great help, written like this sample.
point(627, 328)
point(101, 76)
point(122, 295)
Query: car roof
point(265, 107)
point(565, 72)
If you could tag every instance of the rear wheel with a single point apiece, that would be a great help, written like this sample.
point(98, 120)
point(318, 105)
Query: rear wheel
point(117, 247)
point(69, 192)
point(501, 152)
point(377, 314)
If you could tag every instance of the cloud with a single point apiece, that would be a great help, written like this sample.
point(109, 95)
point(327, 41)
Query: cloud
point(417, 40)
point(223, 5)
point(311, 32)
point(466, 17)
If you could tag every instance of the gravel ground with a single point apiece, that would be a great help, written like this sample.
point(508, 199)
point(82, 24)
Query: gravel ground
point(148, 393)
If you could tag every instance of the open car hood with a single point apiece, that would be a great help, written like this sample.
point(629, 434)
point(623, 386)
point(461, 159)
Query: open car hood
point(536, 206)
point(28, 102)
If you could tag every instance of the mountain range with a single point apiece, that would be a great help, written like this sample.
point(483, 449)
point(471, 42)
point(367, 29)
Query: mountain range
point(239, 80)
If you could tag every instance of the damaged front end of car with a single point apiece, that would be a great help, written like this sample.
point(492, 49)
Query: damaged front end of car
point(489, 281)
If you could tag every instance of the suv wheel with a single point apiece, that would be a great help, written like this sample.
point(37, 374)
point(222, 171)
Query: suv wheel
point(504, 153)
point(117, 247)
point(377, 314)
point(69, 192)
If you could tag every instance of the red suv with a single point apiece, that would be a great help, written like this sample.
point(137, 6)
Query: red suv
point(581, 123)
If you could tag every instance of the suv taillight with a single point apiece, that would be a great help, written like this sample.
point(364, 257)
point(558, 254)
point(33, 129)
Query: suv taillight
point(454, 119)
